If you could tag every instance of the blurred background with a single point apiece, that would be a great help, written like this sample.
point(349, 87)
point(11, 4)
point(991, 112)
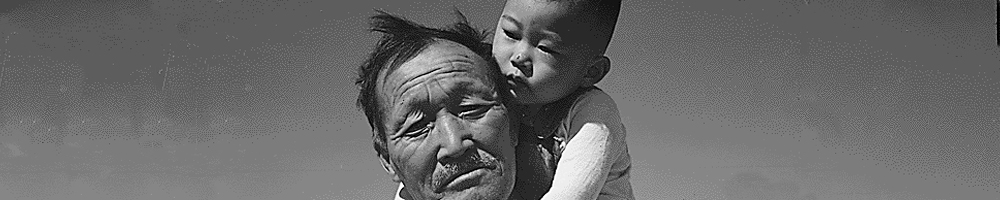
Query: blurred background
point(226, 99)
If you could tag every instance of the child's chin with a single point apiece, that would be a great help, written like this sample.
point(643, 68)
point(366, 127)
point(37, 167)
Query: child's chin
point(522, 96)
point(526, 100)
point(519, 97)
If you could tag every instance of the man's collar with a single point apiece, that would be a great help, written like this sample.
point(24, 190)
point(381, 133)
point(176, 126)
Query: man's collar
point(404, 195)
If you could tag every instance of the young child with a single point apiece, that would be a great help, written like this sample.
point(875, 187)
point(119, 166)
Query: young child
point(552, 52)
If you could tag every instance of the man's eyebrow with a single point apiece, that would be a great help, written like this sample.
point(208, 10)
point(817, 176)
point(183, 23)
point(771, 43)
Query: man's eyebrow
point(512, 20)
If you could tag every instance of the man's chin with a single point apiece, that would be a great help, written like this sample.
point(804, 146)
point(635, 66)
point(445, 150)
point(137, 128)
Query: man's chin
point(478, 192)
point(492, 187)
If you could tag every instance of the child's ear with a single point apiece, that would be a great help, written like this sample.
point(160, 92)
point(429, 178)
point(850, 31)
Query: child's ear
point(387, 164)
point(598, 69)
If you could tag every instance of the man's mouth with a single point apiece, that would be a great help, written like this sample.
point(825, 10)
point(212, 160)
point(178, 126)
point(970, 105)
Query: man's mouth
point(465, 180)
point(463, 176)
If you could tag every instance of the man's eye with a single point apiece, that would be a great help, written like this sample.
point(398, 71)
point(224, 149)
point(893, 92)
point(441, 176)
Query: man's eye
point(418, 129)
point(474, 111)
point(418, 125)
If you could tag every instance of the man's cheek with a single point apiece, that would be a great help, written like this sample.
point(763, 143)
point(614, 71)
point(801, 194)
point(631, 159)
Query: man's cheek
point(408, 148)
point(414, 167)
point(492, 138)
point(408, 155)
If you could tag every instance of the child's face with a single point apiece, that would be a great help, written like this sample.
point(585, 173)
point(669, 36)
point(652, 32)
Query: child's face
point(535, 46)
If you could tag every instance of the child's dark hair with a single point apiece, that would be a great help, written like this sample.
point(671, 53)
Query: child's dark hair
point(601, 14)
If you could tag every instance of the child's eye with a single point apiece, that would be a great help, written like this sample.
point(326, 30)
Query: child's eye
point(511, 35)
point(546, 49)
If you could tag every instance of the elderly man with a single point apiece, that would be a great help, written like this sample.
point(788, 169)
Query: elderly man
point(440, 125)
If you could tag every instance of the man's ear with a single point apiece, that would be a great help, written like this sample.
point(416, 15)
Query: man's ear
point(599, 67)
point(387, 165)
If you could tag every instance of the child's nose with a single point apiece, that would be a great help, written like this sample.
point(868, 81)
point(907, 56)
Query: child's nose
point(520, 61)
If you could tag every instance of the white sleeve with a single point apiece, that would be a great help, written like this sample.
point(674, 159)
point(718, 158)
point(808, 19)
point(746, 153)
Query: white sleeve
point(595, 141)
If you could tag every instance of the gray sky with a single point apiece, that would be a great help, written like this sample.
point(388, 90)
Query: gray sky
point(220, 99)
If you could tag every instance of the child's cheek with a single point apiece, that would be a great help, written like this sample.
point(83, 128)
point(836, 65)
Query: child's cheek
point(499, 55)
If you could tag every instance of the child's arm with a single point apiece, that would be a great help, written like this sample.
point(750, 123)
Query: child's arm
point(587, 158)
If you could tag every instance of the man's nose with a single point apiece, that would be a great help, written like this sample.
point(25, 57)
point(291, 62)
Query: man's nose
point(455, 139)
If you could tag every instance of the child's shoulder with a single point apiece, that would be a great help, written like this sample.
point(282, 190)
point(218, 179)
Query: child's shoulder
point(591, 106)
point(583, 105)
point(593, 99)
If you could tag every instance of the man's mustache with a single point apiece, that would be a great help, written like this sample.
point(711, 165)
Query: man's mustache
point(465, 164)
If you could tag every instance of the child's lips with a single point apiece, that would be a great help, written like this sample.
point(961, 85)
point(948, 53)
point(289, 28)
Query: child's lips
point(512, 83)
point(516, 85)
point(516, 81)
point(513, 87)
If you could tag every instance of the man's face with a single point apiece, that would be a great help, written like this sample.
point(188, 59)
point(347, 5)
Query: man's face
point(447, 133)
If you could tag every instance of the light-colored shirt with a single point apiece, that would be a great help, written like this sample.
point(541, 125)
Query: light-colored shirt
point(591, 155)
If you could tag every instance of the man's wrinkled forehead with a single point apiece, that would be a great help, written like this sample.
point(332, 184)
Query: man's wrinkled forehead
point(440, 62)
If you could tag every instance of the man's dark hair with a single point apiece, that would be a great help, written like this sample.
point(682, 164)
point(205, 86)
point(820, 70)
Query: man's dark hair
point(401, 41)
